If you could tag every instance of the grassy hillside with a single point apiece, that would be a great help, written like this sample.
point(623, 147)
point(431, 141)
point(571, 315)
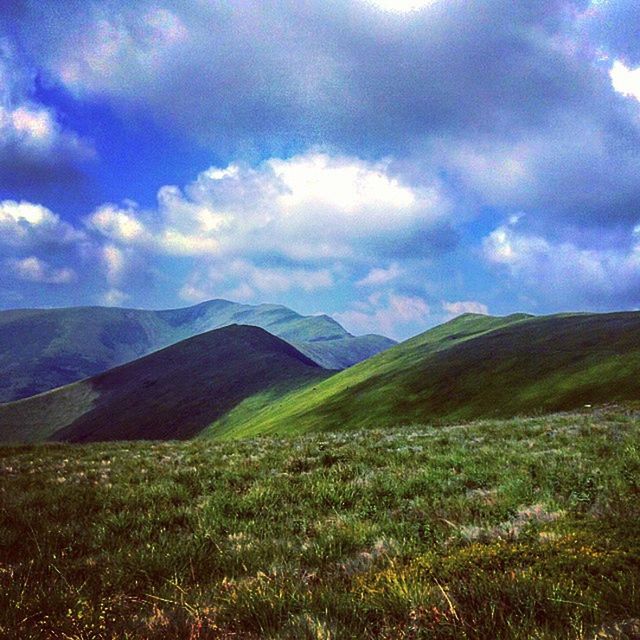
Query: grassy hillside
point(172, 393)
point(474, 366)
point(502, 530)
point(41, 349)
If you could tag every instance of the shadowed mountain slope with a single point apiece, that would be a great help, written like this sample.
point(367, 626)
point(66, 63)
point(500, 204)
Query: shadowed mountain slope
point(471, 367)
point(171, 394)
point(41, 349)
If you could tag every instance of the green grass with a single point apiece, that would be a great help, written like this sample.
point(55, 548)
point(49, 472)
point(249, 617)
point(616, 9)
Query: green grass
point(525, 528)
point(472, 367)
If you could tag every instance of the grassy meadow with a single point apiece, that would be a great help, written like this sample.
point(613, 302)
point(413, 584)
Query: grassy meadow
point(524, 528)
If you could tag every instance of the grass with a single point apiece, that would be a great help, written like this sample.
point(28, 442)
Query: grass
point(472, 367)
point(525, 528)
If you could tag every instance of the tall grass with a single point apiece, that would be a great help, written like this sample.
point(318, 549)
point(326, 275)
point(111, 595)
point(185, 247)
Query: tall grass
point(512, 529)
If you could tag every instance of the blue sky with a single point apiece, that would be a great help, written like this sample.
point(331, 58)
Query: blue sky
point(390, 163)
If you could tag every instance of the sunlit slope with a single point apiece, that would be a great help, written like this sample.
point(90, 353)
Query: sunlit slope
point(474, 366)
point(172, 393)
point(41, 349)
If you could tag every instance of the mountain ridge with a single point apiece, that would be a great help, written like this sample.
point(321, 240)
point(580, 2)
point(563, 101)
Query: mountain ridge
point(172, 393)
point(41, 349)
point(471, 367)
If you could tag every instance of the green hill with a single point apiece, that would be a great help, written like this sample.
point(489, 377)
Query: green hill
point(41, 349)
point(171, 394)
point(474, 366)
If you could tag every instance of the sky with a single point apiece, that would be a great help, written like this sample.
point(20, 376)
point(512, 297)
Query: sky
point(390, 163)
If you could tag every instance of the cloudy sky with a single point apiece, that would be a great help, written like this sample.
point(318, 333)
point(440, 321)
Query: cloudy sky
point(390, 162)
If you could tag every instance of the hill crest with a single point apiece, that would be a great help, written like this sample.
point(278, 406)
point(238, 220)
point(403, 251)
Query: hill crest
point(170, 394)
point(471, 367)
point(41, 349)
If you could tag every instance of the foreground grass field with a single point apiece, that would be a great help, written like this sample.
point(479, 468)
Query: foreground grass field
point(513, 529)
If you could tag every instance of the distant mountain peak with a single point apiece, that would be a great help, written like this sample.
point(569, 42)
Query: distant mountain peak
point(41, 349)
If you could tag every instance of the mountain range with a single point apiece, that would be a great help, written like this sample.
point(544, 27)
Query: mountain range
point(41, 349)
point(170, 394)
point(243, 381)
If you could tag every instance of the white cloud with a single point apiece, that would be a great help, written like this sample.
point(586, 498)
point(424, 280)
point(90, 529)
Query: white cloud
point(118, 224)
point(499, 171)
point(113, 47)
point(524, 116)
point(465, 306)
point(26, 224)
point(506, 246)
point(214, 66)
point(33, 269)
point(310, 207)
point(194, 66)
point(35, 126)
point(242, 293)
point(531, 172)
point(170, 233)
point(113, 298)
point(347, 185)
point(282, 226)
point(34, 129)
point(241, 231)
point(625, 80)
point(114, 263)
point(270, 280)
point(561, 271)
point(178, 228)
point(30, 131)
point(379, 276)
point(400, 6)
point(391, 314)
point(242, 280)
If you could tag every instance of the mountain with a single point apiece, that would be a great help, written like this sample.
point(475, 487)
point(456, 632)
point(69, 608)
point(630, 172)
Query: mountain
point(41, 349)
point(471, 367)
point(242, 380)
point(171, 394)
